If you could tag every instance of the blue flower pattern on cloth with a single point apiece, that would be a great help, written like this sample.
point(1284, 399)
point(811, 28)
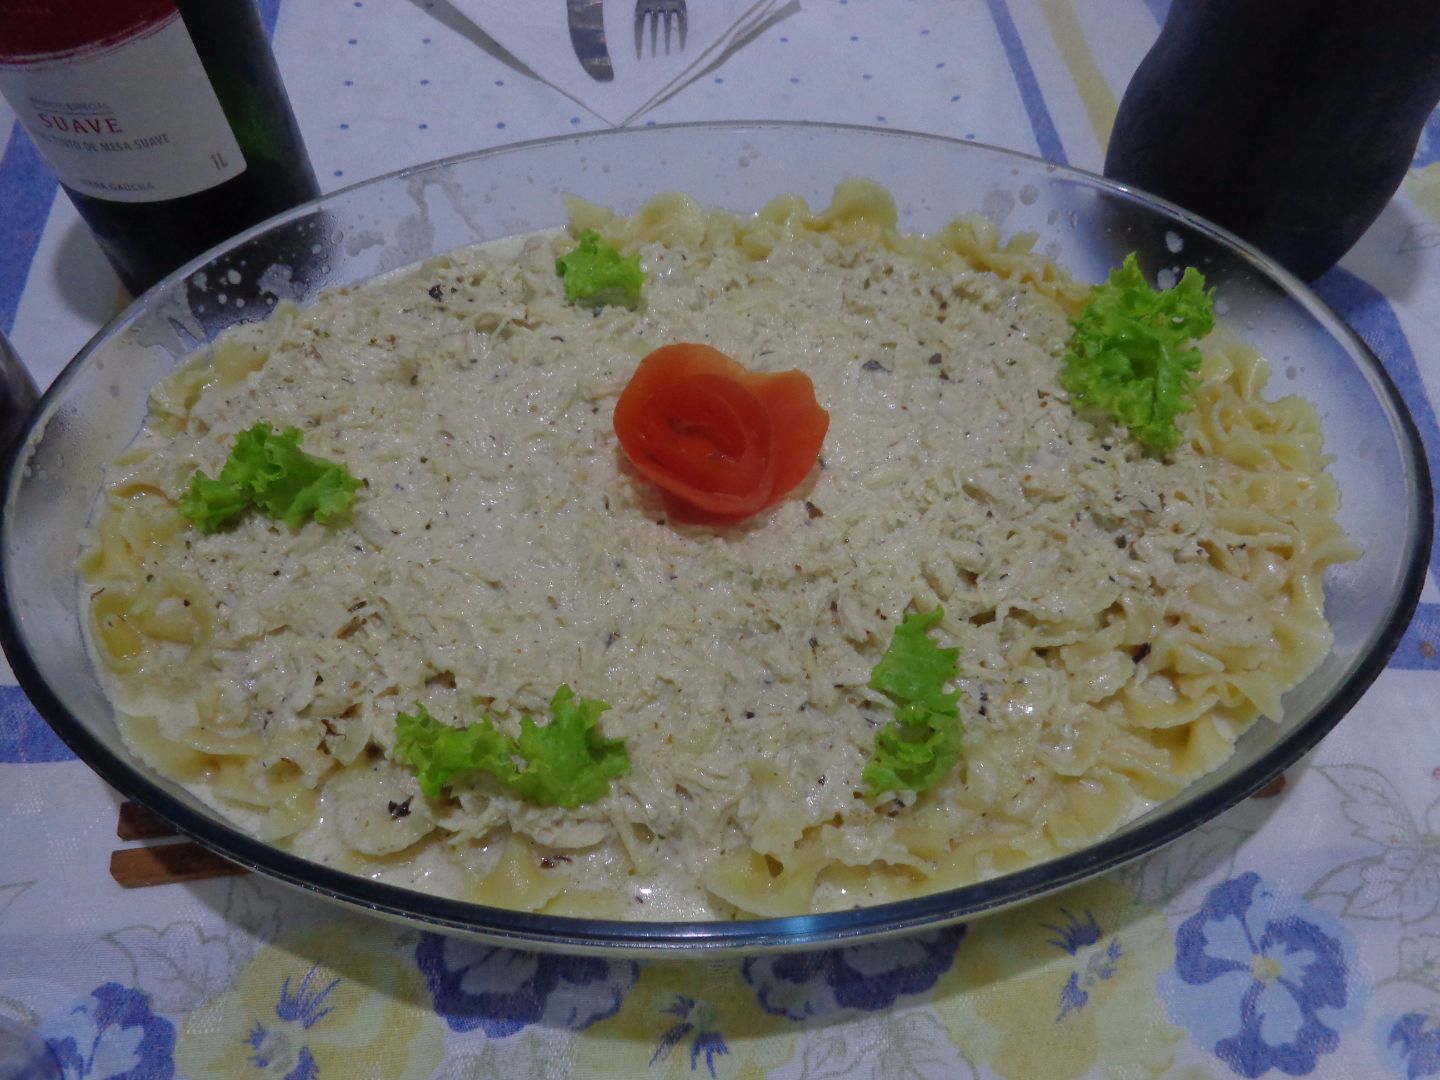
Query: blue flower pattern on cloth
point(1262, 980)
point(274, 1045)
point(1412, 1045)
point(112, 1035)
point(502, 991)
point(1075, 937)
point(863, 977)
point(698, 1023)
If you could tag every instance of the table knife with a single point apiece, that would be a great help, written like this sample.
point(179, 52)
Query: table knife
point(587, 35)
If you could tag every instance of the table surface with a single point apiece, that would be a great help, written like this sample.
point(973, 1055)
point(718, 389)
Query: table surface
point(1313, 917)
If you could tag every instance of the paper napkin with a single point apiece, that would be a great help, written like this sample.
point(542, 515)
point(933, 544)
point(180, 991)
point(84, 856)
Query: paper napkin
point(537, 34)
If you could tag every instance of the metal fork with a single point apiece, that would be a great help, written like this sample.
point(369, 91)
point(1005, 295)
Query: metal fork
point(655, 12)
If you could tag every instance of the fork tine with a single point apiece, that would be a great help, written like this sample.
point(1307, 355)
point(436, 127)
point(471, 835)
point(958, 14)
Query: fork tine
point(653, 12)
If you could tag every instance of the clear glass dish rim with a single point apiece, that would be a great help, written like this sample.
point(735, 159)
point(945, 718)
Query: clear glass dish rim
point(831, 929)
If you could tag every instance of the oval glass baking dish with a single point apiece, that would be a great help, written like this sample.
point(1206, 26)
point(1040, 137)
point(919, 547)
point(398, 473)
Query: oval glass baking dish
point(1086, 224)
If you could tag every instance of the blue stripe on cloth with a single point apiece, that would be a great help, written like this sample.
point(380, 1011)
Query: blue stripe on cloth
point(269, 13)
point(1427, 152)
point(24, 737)
point(27, 191)
point(1047, 138)
point(1420, 647)
point(1365, 308)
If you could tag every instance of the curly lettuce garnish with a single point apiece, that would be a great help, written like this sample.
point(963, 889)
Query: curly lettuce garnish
point(1130, 354)
point(595, 274)
point(565, 763)
point(922, 744)
point(271, 472)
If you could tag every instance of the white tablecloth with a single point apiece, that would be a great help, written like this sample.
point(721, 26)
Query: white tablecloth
point(1295, 936)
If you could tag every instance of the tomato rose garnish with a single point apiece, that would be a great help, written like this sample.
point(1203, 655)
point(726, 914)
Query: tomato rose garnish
point(720, 442)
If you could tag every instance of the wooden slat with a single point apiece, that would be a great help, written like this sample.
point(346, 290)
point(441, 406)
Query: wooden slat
point(1270, 790)
point(138, 823)
point(168, 864)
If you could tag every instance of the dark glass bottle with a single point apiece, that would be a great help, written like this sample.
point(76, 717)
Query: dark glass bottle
point(165, 121)
point(1289, 122)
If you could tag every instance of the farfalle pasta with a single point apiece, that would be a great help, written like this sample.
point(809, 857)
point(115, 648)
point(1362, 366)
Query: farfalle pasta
point(1121, 617)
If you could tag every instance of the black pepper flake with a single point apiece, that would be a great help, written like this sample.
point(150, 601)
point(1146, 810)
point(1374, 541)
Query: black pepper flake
point(401, 809)
point(874, 365)
point(1121, 541)
point(749, 715)
point(814, 643)
point(435, 293)
point(934, 359)
point(813, 511)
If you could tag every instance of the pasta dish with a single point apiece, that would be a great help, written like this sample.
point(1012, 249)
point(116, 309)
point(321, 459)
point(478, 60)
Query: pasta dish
point(1121, 615)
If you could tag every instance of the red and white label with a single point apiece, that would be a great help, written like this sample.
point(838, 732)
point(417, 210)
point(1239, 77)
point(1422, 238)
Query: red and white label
point(129, 120)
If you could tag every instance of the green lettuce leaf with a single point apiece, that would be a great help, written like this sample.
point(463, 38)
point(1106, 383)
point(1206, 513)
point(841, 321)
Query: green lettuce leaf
point(565, 763)
point(922, 744)
point(269, 471)
point(1130, 354)
point(213, 504)
point(568, 762)
point(596, 274)
point(438, 751)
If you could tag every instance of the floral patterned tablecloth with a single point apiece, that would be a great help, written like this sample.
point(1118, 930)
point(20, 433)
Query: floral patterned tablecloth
point(1297, 935)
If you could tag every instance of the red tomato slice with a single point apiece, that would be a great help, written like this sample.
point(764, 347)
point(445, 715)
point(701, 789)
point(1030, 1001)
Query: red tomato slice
point(720, 442)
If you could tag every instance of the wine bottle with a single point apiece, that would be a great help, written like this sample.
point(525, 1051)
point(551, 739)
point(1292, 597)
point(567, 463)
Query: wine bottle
point(1289, 122)
point(165, 121)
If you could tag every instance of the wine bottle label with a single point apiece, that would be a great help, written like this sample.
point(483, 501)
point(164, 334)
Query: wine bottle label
point(129, 120)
